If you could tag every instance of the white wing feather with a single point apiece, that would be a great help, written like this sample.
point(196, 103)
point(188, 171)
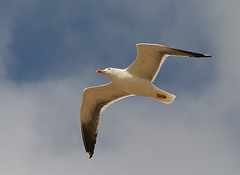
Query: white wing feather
point(94, 101)
point(150, 58)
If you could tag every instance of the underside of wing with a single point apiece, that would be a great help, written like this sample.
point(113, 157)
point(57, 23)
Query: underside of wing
point(150, 58)
point(94, 100)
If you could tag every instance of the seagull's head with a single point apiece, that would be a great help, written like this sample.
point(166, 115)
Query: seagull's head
point(110, 72)
point(106, 71)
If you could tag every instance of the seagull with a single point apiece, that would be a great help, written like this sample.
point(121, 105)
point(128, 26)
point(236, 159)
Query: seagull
point(137, 79)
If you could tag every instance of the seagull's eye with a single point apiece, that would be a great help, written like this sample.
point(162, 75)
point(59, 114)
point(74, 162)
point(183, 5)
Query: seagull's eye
point(109, 69)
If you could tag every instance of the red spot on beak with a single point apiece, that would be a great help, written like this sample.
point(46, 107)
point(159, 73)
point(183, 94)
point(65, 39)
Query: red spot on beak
point(101, 71)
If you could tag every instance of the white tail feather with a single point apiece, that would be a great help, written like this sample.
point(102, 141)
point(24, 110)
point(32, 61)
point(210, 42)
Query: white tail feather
point(169, 97)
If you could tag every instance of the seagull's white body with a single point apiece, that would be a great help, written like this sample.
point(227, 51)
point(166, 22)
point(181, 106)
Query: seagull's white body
point(135, 85)
point(135, 80)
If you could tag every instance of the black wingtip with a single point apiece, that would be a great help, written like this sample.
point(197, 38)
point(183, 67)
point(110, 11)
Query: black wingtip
point(199, 55)
point(90, 154)
point(207, 56)
point(88, 140)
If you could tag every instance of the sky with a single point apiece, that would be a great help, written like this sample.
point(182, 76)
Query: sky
point(50, 51)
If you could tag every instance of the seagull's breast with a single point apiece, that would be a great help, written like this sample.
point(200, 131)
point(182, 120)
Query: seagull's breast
point(134, 85)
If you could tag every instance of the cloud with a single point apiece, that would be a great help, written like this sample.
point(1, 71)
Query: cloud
point(43, 130)
point(197, 134)
point(62, 36)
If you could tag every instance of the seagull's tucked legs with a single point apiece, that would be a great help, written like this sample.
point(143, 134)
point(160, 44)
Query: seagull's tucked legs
point(164, 96)
point(161, 96)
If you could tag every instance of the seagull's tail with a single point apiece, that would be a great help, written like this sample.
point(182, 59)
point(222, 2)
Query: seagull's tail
point(164, 96)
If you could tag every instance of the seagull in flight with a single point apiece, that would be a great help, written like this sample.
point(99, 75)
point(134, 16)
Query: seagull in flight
point(137, 79)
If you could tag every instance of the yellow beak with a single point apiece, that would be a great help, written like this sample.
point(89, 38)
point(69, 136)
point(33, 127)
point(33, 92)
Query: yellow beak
point(101, 71)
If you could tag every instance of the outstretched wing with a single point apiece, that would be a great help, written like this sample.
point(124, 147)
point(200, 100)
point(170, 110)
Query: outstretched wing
point(94, 101)
point(150, 58)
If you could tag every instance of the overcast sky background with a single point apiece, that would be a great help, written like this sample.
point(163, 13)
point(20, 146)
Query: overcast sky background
point(50, 51)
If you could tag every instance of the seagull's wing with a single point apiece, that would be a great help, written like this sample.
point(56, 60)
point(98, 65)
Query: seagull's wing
point(94, 101)
point(150, 58)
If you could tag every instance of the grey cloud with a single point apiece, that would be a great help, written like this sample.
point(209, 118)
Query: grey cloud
point(197, 134)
